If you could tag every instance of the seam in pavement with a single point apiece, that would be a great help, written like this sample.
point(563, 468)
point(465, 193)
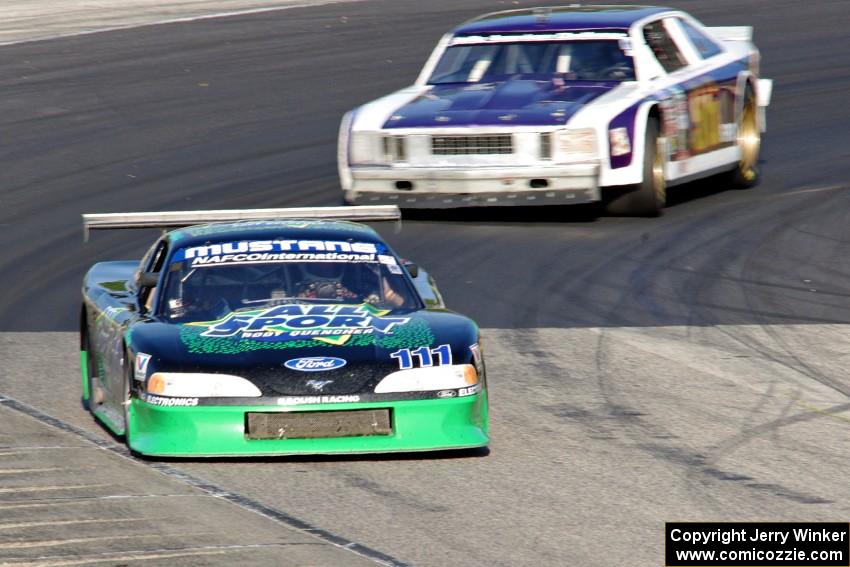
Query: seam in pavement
point(207, 487)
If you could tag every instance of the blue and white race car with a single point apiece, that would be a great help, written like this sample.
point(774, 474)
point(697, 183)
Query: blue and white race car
point(563, 105)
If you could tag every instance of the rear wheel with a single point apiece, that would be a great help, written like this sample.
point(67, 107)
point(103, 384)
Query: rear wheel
point(648, 197)
point(746, 173)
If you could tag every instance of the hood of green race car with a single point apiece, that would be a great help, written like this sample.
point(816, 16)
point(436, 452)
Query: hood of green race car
point(297, 350)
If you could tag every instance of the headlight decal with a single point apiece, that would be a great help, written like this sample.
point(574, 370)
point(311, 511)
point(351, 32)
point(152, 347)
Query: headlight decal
point(375, 148)
point(363, 148)
point(394, 148)
point(576, 144)
point(428, 379)
point(200, 385)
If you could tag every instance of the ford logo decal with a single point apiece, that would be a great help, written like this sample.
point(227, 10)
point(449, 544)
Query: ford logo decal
point(315, 363)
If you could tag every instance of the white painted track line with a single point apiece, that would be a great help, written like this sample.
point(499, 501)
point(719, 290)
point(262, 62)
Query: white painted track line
point(39, 20)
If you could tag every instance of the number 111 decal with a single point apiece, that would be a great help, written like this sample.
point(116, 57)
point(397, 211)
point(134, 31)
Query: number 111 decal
point(426, 356)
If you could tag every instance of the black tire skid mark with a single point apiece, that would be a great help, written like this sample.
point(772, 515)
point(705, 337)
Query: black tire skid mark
point(701, 471)
point(636, 427)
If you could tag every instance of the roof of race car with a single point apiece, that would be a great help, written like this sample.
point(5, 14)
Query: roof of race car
point(246, 230)
point(565, 19)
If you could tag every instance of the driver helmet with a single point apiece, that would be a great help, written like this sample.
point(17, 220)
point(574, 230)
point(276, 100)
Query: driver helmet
point(323, 270)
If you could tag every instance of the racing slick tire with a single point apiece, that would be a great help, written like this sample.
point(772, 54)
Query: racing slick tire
point(92, 400)
point(125, 398)
point(746, 172)
point(648, 197)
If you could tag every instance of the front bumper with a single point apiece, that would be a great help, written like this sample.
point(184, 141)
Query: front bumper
point(441, 187)
point(209, 431)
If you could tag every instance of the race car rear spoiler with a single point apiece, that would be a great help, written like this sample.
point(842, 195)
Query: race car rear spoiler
point(732, 33)
point(177, 219)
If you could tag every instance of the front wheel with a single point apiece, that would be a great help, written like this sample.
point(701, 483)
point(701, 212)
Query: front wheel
point(126, 397)
point(648, 197)
point(94, 394)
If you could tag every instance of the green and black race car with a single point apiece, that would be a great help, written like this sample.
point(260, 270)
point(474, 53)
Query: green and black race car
point(276, 331)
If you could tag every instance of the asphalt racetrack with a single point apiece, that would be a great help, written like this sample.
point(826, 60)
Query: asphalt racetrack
point(688, 367)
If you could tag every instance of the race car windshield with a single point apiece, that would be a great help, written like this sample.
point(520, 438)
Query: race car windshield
point(209, 292)
point(577, 60)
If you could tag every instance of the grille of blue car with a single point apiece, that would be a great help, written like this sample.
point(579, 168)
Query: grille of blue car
point(546, 146)
point(477, 144)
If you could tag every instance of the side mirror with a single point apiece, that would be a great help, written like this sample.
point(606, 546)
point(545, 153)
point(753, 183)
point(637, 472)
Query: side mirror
point(411, 268)
point(148, 279)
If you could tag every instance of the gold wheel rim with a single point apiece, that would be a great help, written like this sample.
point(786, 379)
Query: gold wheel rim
point(749, 137)
point(658, 182)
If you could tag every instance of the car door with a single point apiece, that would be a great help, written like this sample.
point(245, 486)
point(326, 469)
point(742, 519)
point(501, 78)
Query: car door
point(699, 93)
point(126, 313)
point(711, 89)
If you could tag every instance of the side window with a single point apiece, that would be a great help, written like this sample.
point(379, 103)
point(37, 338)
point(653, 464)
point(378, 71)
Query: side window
point(663, 47)
point(702, 43)
point(153, 262)
point(146, 259)
point(158, 258)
